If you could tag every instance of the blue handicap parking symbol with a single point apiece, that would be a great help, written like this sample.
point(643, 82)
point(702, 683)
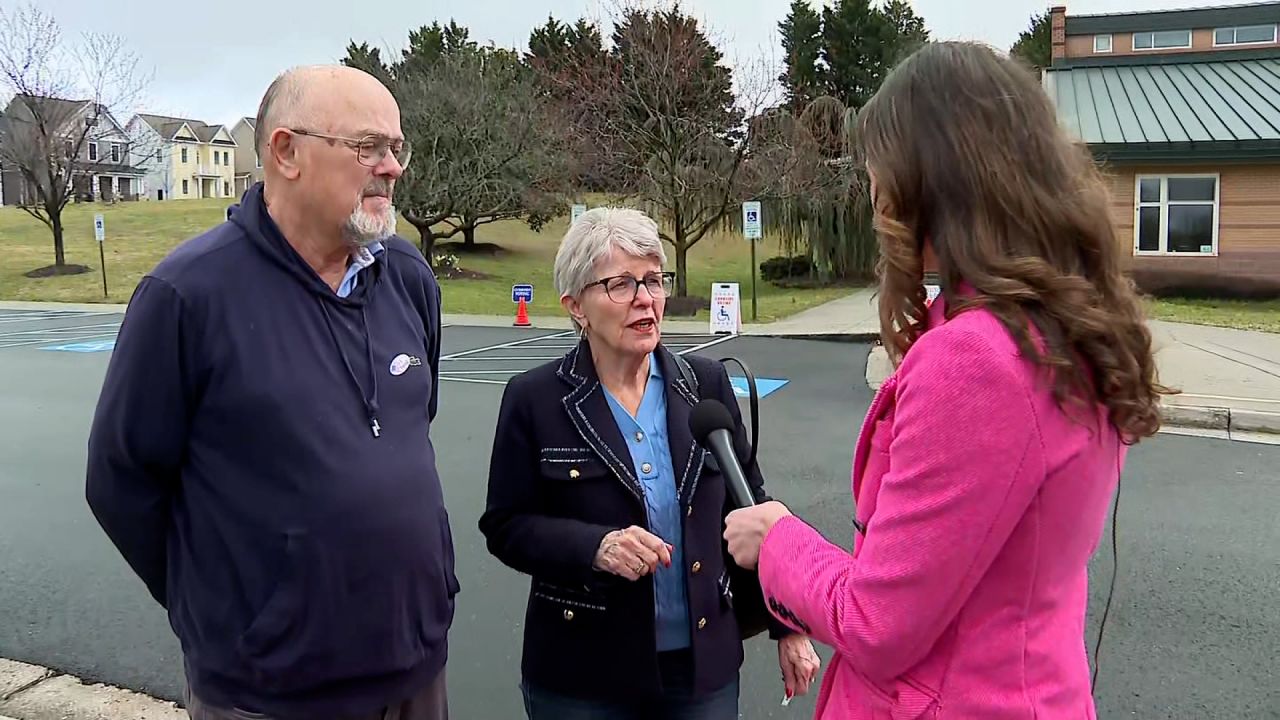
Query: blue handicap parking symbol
point(764, 386)
point(91, 346)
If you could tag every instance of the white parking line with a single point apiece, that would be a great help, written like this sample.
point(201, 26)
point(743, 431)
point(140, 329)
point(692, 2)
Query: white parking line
point(520, 358)
point(499, 346)
point(704, 346)
point(58, 330)
point(48, 315)
point(54, 341)
point(477, 381)
point(480, 372)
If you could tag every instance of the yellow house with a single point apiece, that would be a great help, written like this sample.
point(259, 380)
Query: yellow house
point(192, 159)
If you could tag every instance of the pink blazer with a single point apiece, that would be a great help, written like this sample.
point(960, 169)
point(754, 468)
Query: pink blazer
point(980, 503)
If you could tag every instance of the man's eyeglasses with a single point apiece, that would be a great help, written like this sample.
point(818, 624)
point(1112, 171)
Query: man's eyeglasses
point(625, 288)
point(370, 149)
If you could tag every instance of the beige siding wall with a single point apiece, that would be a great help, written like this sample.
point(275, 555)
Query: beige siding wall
point(1248, 221)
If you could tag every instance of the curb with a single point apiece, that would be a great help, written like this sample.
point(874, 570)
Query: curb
point(1260, 425)
point(32, 692)
point(837, 337)
point(1230, 420)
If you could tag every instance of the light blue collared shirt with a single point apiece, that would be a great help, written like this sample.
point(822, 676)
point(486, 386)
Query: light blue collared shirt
point(647, 439)
point(361, 258)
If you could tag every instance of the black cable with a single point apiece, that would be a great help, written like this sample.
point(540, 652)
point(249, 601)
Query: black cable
point(1115, 570)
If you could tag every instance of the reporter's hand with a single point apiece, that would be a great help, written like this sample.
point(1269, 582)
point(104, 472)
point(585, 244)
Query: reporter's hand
point(745, 531)
point(632, 553)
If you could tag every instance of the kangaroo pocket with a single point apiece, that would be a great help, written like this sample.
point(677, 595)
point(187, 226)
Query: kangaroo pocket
point(353, 603)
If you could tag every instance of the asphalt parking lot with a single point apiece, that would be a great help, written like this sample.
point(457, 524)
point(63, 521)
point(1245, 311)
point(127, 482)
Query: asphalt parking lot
point(1194, 624)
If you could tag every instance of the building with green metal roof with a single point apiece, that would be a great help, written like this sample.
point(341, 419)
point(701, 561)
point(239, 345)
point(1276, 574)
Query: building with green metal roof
point(1182, 108)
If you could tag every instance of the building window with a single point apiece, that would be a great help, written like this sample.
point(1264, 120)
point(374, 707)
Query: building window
point(115, 152)
point(93, 152)
point(157, 154)
point(226, 157)
point(257, 158)
point(226, 189)
point(184, 187)
point(184, 159)
point(217, 159)
point(1177, 215)
point(1245, 35)
point(1163, 40)
point(1102, 43)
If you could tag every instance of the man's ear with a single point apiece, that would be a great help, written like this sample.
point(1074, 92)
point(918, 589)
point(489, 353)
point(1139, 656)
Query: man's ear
point(283, 147)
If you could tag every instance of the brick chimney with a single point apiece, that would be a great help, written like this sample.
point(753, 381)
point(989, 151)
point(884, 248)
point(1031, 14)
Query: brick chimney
point(1058, 32)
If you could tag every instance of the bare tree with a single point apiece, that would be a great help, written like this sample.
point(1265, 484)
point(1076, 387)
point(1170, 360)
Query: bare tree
point(484, 148)
point(660, 111)
point(65, 97)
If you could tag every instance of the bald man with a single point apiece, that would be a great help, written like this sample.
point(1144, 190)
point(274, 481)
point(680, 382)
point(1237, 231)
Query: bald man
point(261, 454)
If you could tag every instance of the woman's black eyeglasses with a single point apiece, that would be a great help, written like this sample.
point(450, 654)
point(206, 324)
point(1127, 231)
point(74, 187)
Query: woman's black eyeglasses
point(625, 288)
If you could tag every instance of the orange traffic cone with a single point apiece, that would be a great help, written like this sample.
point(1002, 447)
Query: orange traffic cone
point(522, 315)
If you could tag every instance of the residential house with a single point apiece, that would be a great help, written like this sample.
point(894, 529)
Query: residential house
point(1182, 108)
point(101, 170)
point(248, 164)
point(191, 159)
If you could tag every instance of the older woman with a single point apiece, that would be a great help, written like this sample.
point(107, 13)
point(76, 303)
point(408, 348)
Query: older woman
point(600, 493)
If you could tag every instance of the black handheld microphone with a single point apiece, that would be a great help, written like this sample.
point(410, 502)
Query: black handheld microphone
point(712, 426)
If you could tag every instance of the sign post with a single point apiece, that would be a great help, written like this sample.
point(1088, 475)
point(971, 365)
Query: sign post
point(751, 230)
point(522, 295)
point(100, 233)
point(726, 310)
point(576, 213)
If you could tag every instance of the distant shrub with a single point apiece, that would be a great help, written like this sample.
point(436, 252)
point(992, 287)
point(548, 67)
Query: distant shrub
point(1197, 286)
point(784, 268)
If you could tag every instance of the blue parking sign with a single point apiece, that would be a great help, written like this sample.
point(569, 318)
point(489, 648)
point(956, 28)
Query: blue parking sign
point(522, 292)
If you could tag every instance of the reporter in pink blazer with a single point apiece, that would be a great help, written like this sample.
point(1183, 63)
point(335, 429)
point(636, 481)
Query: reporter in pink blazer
point(985, 466)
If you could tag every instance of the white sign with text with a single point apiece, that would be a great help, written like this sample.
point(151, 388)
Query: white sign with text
point(726, 308)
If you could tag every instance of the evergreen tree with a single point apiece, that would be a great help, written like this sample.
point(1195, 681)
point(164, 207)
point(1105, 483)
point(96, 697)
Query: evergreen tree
point(363, 57)
point(1035, 44)
point(908, 31)
point(854, 35)
point(802, 44)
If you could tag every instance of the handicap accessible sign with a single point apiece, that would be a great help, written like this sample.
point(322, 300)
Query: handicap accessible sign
point(92, 346)
point(764, 386)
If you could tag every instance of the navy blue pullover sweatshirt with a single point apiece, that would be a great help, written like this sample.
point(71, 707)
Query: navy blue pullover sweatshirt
point(304, 557)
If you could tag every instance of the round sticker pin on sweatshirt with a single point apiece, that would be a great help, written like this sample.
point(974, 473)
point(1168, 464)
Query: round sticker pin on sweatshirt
point(399, 364)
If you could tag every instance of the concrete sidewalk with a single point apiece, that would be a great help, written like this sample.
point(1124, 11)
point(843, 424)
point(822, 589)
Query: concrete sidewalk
point(851, 317)
point(31, 692)
point(1229, 379)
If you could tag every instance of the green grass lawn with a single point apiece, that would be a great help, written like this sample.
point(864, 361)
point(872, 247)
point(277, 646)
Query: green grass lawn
point(140, 234)
point(1241, 314)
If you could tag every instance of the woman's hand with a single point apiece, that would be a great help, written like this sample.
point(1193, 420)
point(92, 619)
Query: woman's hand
point(799, 663)
point(745, 530)
point(632, 553)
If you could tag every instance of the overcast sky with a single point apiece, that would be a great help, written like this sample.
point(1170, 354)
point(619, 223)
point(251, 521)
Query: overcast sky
point(213, 61)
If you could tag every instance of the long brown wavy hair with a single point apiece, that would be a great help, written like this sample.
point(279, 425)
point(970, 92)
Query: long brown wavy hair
point(966, 154)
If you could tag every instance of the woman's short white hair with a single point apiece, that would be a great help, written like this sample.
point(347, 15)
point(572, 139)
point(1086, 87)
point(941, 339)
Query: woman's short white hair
point(594, 236)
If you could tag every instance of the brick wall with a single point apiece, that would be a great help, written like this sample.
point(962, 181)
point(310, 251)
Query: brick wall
point(1248, 224)
point(1081, 46)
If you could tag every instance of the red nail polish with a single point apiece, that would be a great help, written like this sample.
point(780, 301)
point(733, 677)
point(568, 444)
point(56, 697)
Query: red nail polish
point(789, 694)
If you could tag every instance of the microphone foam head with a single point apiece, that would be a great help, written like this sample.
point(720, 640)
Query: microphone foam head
point(707, 417)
